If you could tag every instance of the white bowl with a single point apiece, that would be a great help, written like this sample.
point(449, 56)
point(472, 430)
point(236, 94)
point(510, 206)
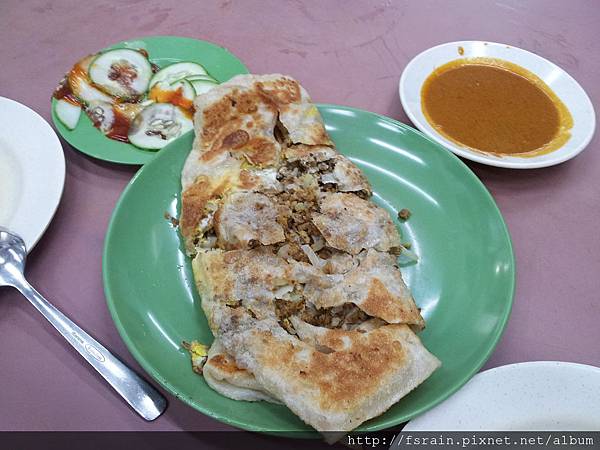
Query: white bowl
point(565, 87)
point(32, 171)
point(529, 396)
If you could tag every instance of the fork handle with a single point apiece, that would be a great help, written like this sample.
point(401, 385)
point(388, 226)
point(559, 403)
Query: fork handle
point(140, 395)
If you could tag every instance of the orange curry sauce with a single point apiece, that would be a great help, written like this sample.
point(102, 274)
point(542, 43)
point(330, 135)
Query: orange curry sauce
point(494, 106)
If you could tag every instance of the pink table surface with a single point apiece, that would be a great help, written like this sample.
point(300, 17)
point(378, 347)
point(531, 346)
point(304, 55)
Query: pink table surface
point(346, 52)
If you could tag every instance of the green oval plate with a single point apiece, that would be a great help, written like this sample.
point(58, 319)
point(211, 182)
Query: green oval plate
point(163, 50)
point(464, 280)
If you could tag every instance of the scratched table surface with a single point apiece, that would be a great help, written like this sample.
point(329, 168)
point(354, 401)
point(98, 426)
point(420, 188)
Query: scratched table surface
point(346, 52)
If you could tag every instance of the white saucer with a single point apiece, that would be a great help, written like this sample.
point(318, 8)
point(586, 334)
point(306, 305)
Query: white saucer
point(32, 171)
point(567, 89)
point(531, 396)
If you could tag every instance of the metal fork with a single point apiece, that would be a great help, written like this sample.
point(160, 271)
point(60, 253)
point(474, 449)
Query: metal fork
point(140, 395)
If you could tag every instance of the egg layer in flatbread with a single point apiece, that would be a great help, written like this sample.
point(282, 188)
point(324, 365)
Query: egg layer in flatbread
point(296, 266)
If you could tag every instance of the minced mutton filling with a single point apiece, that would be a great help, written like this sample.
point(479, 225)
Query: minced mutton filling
point(343, 316)
point(301, 181)
point(296, 205)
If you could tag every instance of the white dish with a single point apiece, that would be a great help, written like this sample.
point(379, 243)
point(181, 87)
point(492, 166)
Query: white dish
point(32, 171)
point(565, 87)
point(531, 396)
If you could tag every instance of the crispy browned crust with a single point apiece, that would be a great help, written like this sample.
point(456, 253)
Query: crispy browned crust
point(246, 219)
point(247, 180)
point(282, 91)
point(192, 205)
point(333, 379)
point(375, 286)
point(345, 376)
point(381, 303)
point(226, 364)
point(352, 224)
point(231, 124)
point(194, 201)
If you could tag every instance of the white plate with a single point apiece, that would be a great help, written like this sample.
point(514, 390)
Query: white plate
point(531, 396)
point(565, 87)
point(32, 171)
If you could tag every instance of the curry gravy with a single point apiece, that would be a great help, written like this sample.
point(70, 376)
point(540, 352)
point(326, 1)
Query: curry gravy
point(494, 106)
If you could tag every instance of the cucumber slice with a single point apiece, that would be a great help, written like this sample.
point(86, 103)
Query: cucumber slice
point(88, 93)
point(158, 125)
point(81, 86)
point(67, 113)
point(177, 71)
point(201, 77)
point(102, 115)
point(163, 92)
point(123, 73)
point(188, 91)
point(202, 86)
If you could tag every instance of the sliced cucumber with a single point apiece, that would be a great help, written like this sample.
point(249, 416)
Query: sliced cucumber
point(177, 71)
point(188, 91)
point(158, 125)
point(162, 91)
point(130, 110)
point(123, 72)
point(81, 86)
point(102, 115)
point(201, 77)
point(202, 86)
point(67, 113)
